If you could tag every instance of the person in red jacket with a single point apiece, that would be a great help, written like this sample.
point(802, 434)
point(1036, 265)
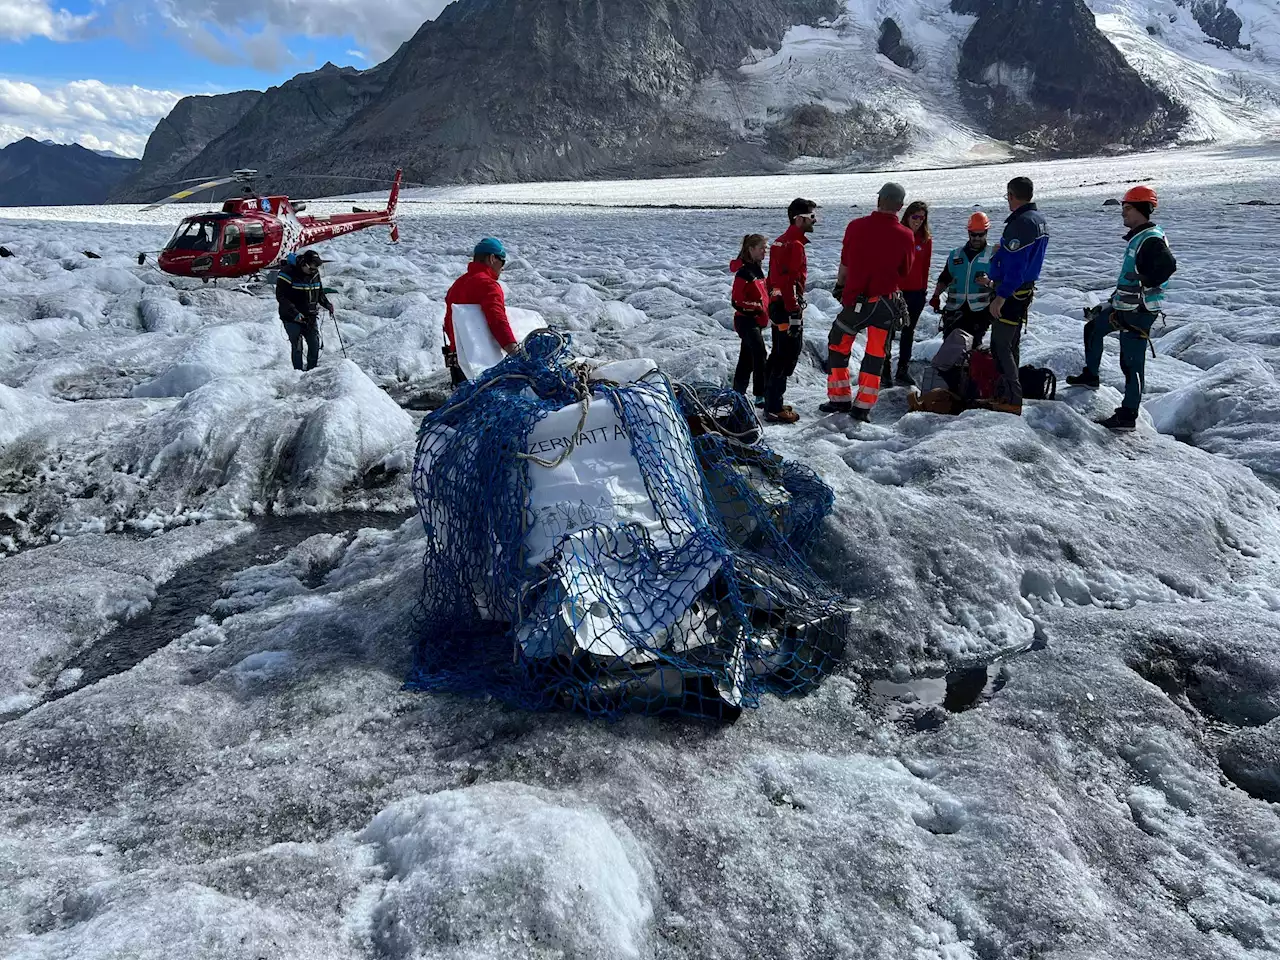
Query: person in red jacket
point(788, 274)
point(875, 260)
point(750, 314)
point(914, 291)
point(479, 286)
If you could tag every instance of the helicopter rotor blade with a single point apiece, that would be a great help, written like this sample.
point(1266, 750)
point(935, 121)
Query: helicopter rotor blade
point(183, 194)
point(344, 177)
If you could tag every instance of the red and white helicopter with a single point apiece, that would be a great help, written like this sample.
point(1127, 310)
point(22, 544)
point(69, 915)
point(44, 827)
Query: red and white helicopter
point(253, 233)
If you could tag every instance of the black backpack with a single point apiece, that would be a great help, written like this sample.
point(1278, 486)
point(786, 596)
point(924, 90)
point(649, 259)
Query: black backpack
point(1038, 383)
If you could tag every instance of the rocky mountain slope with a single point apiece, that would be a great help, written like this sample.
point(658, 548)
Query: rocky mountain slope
point(1043, 74)
point(562, 89)
point(181, 136)
point(37, 174)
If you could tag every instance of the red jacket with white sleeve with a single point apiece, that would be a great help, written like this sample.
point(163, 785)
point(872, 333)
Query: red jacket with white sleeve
point(479, 286)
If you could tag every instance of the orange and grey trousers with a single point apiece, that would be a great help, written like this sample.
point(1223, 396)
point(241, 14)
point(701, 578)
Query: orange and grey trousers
point(877, 317)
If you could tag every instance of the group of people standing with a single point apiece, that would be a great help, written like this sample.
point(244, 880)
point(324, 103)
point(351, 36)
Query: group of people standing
point(882, 286)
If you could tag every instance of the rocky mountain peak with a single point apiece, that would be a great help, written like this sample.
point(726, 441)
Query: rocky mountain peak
point(572, 89)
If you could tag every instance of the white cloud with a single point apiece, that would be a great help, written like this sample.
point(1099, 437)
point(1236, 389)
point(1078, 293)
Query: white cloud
point(357, 55)
point(88, 112)
point(20, 19)
point(249, 31)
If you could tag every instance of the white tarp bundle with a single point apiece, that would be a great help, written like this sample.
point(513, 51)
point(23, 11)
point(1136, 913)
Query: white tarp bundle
point(477, 349)
point(578, 505)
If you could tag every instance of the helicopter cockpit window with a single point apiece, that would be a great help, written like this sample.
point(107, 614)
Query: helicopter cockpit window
point(253, 234)
point(231, 237)
point(195, 235)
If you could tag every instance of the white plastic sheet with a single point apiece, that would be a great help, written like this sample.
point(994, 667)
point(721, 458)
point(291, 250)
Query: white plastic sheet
point(600, 482)
point(477, 349)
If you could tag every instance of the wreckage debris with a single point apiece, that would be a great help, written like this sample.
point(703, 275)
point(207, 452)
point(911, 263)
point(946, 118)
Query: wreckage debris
point(601, 540)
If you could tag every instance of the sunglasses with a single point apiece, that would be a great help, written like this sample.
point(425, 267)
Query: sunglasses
point(975, 235)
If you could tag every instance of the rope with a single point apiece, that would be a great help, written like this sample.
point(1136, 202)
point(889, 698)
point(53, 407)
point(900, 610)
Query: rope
point(682, 591)
point(573, 440)
point(718, 427)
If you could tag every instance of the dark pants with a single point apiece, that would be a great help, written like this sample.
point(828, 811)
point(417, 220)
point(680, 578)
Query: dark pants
point(752, 357)
point(456, 377)
point(973, 322)
point(787, 346)
point(916, 300)
point(308, 330)
point(1133, 348)
point(1006, 343)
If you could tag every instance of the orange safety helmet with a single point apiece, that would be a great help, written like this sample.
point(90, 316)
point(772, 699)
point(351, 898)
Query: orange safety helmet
point(1140, 194)
point(979, 223)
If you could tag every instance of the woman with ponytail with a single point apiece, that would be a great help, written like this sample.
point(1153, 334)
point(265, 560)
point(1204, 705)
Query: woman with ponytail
point(750, 315)
point(914, 292)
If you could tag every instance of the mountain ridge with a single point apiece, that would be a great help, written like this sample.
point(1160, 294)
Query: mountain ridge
point(503, 90)
point(35, 174)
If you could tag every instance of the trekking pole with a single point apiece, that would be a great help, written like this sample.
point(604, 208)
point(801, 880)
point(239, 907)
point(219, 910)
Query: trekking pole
point(334, 317)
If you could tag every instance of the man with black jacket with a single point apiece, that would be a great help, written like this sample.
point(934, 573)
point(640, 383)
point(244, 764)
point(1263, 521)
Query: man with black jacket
point(300, 295)
point(1137, 301)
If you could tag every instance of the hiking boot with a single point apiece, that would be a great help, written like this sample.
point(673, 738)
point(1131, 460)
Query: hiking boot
point(904, 379)
point(861, 414)
point(1084, 379)
point(785, 415)
point(832, 407)
point(1000, 406)
point(1123, 420)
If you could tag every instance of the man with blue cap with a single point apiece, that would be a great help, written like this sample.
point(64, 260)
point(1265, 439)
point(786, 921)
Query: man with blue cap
point(479, 287)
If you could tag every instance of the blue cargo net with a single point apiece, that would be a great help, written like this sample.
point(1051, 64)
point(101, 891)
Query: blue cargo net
point(607, 542)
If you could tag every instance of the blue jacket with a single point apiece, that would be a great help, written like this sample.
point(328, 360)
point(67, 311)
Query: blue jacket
point(1018, 262)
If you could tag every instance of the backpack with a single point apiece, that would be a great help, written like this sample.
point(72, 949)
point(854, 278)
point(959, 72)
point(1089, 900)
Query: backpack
point(1038, 383)
point(982, 375)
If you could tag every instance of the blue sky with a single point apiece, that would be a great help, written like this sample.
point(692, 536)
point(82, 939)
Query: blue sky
point(103, 72)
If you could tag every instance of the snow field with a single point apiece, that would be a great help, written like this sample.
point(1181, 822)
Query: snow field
point(839, 67)
point(262, 786)
point(136, 404)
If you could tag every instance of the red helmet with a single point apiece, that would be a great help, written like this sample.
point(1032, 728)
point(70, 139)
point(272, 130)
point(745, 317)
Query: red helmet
point(1140, 194)
point(979, 223)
